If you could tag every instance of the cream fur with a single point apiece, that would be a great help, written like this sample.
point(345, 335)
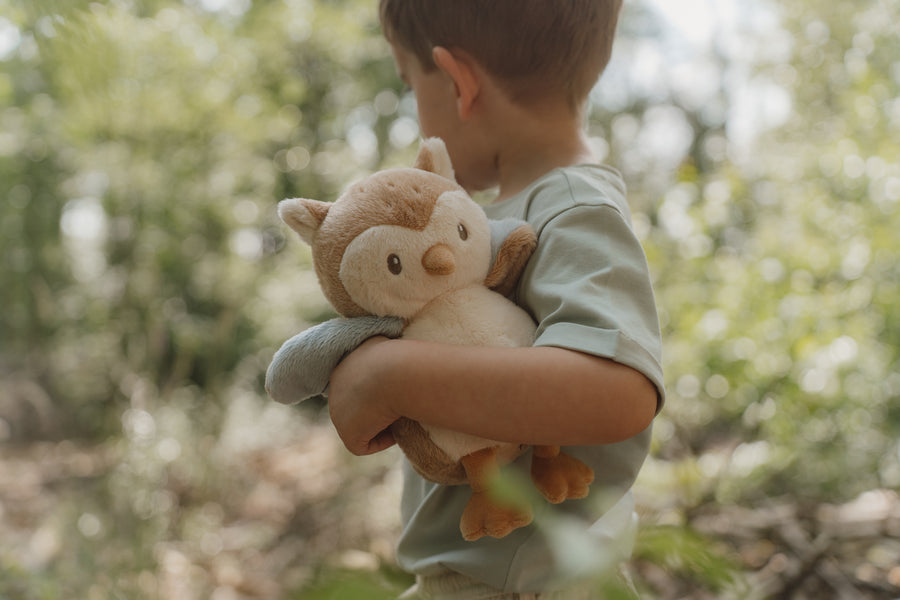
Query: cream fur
point(416, 217)
point(364, 267)
point(475, 316)
point(410, 243)
point(433, 157)
point(304, 216)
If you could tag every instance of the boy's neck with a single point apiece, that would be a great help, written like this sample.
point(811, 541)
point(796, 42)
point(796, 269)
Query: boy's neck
point(534, 140)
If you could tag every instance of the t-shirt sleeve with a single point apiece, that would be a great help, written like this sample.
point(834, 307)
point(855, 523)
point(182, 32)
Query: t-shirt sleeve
point(588, 287)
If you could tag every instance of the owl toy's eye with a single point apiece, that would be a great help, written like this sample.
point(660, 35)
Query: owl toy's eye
point(394, 265)
point(463, 232)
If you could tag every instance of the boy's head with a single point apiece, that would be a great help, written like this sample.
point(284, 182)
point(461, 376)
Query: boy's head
point(534, 48)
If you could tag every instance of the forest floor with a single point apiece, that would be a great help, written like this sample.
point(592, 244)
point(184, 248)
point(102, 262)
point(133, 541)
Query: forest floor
point(290, 515)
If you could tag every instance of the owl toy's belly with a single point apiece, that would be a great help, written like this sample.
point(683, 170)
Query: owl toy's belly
point(471, 316)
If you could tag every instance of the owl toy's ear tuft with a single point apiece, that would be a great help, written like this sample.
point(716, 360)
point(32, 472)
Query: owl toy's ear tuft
point(433, 157)
point(303, 216)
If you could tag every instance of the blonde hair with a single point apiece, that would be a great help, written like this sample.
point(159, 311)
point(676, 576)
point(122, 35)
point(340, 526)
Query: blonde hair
point(535, 48)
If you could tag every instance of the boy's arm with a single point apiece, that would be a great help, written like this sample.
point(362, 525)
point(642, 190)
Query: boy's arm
point(535, 395)
point(588, 287)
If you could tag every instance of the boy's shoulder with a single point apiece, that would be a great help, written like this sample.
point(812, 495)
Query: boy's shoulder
point(579, 187)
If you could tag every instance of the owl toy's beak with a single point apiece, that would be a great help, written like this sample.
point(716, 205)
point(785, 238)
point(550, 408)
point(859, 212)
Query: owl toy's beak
point(438, 260)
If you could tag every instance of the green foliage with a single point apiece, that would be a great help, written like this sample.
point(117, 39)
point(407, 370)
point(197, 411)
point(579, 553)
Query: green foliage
point(16, 582)
point(688, 554)
point(356, 585)
point(147, 281)
point(145, 147)
point(778, 271)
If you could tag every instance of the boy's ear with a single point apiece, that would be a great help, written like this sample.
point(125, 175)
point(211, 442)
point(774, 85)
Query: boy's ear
point(465, 75)
point(303, 216)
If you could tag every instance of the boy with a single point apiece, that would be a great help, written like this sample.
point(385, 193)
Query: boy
point(505, 84)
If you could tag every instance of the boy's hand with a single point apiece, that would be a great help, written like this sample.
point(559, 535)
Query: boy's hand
point(359, 412)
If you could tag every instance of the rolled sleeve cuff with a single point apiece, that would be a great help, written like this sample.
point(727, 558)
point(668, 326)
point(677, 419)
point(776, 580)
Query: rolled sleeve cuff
point(606, 343)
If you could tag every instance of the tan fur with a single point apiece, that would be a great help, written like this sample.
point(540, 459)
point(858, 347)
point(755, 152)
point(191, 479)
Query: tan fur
point(442, 290)
point(511, 260)
point(430, 461)
point(434, 159)
point(381, 199)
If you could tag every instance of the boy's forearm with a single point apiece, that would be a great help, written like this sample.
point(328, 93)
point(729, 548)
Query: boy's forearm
point(538, 395)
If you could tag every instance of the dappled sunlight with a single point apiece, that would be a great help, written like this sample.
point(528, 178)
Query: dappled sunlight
point(148, 281)
point(251, 512)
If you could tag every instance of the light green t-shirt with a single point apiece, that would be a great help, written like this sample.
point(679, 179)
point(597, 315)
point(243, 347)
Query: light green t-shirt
point(587, 286)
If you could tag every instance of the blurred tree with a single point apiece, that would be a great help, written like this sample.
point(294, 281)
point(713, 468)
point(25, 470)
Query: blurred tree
point(145, 146)
point(146, 280)
point(775, 258)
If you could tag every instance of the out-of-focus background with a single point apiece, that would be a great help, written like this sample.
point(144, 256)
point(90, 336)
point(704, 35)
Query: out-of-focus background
point(146, 282)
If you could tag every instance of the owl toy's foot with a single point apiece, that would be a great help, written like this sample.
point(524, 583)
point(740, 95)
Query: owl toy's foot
point(484, 516)
point(558, 476)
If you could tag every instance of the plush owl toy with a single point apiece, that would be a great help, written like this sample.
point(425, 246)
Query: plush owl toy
point(407, 253)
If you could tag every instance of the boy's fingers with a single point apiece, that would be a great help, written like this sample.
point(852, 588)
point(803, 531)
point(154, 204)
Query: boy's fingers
point(382, 441)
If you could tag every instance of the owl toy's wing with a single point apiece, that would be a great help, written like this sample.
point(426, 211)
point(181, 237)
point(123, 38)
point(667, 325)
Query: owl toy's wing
point(302, 367)
point(512, 243)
